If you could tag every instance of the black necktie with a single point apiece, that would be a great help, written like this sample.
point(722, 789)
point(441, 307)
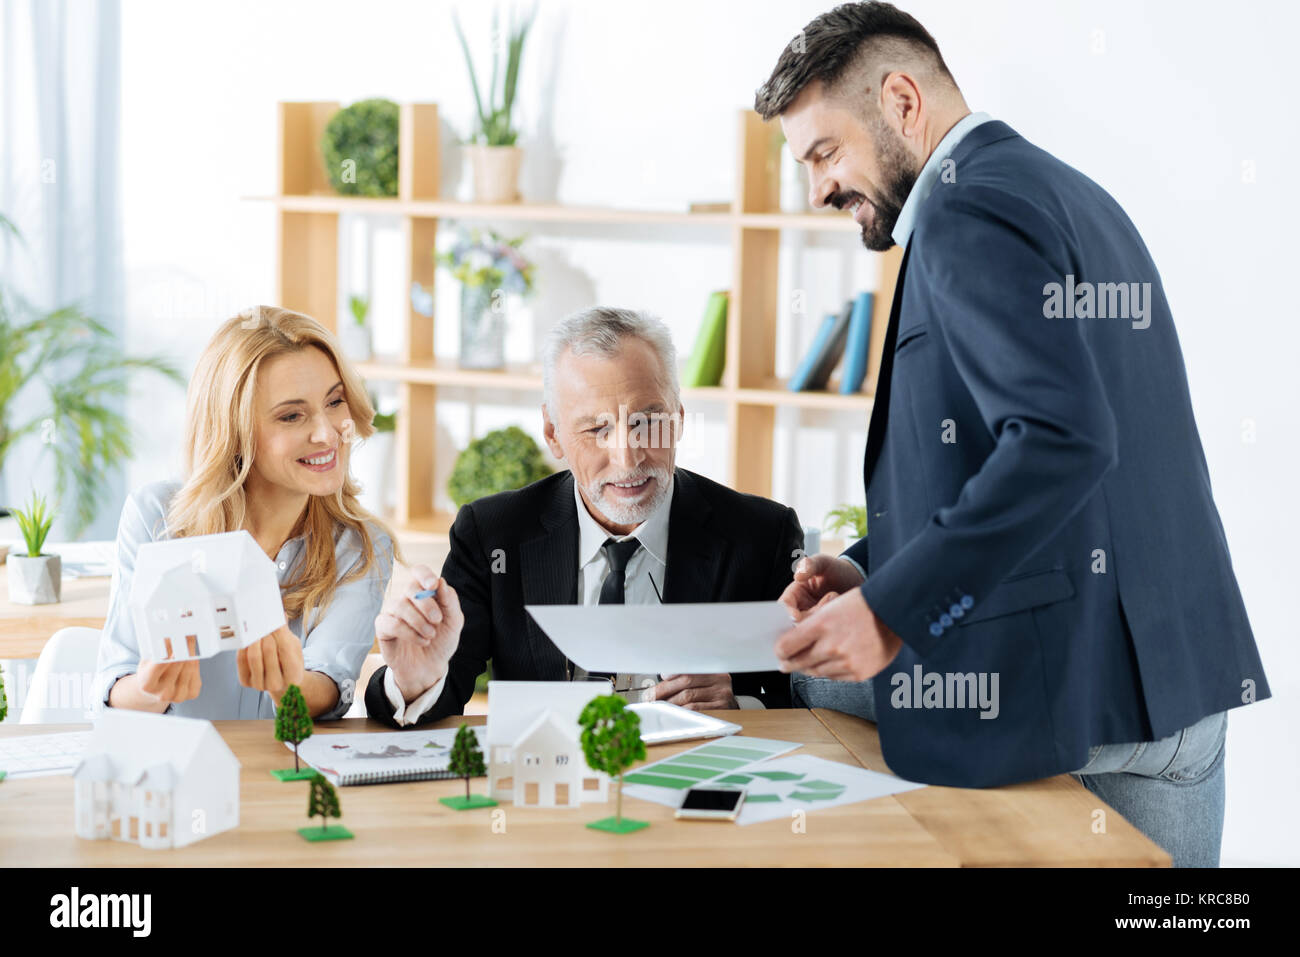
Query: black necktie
point(617, 554)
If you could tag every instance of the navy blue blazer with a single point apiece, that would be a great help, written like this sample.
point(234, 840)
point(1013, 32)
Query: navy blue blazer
point(1038, 501)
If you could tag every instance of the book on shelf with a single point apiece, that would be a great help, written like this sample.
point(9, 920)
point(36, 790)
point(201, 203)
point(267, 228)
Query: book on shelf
point(858, 347)
point(704, 366)
point(814, 370)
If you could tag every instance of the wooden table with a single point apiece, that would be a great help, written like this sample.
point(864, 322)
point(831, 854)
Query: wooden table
point(1044, 823)
point(24, 629)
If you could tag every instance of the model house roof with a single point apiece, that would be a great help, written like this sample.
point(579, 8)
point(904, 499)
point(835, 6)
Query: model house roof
point(154, 750)
point(548, 728)
point(514, 706)
point(226, 564)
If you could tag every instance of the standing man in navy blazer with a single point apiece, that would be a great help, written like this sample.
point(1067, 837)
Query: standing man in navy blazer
point(1045, 586)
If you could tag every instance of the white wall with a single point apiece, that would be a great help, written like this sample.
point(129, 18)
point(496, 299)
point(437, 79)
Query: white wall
point(633, 103)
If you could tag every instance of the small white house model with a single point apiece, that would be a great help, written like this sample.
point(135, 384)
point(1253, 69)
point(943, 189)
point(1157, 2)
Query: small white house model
point(534, 755)
point(155, 780)
point(196, 597)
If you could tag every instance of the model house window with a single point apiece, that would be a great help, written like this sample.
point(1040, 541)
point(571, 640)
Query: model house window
point(561, 759)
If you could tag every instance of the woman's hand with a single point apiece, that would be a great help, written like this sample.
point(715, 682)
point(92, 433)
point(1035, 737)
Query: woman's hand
point(167, 682)
point(272, 664)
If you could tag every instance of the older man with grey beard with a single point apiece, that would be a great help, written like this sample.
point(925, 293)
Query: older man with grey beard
point(622, 525)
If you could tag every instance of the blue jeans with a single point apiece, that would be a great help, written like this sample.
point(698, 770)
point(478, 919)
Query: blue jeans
point(1171, 790)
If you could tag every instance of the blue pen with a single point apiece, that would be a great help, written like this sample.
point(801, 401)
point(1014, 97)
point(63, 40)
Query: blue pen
point(427, 593)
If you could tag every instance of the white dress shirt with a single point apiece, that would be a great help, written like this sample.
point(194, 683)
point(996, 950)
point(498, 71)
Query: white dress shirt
point(643, 585)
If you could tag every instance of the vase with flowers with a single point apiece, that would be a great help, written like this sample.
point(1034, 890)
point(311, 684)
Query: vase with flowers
point(490, 268)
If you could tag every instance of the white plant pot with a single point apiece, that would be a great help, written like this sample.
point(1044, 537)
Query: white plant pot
point(372, 467)
point(355, 340)
point(35, 581)
point(495, 172)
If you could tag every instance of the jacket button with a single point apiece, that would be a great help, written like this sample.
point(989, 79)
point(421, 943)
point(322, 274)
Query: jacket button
point(967, 602)
point(945, 620)
point(936, 629)
point(956, 611)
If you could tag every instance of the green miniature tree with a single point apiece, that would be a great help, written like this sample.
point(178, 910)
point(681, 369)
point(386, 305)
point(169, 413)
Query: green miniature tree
point(293, 724)
point(611, 741)
point(324, 801)
point(466, 762)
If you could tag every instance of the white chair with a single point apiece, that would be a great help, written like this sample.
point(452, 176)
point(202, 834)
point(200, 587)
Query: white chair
point(62, 690)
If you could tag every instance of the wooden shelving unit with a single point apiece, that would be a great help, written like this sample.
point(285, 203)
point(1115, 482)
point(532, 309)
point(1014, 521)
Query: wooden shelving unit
point(307, 215)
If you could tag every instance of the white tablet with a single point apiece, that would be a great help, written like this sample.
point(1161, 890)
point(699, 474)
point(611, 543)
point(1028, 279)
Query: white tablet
point(662, 722)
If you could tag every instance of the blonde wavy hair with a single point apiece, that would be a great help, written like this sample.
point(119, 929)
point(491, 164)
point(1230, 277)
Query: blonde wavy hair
point(219, 446)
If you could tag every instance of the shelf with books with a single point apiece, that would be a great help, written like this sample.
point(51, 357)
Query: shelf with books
point(307, 217)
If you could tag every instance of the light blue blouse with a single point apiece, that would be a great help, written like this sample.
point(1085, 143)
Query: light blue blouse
point(336, 646)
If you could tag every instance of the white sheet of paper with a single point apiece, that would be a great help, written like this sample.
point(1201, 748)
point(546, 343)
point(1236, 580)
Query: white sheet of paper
point(686, 639)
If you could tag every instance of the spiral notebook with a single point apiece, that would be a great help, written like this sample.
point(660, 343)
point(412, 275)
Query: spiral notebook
point(383, 757)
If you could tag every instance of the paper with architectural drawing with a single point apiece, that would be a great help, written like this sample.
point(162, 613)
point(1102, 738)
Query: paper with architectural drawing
point(381, 757)
point(704, 638)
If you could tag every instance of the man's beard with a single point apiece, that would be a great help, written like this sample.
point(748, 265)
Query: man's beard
point(635, 513)
point(898, 176)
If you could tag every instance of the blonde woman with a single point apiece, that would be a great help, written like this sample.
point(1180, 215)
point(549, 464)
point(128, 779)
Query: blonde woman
point(271, 412)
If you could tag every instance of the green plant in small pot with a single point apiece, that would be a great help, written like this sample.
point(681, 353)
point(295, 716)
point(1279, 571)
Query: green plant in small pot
point(502, 460)
point(354, 335)
point(493, 155)
point(35, 578)
point(851, 519)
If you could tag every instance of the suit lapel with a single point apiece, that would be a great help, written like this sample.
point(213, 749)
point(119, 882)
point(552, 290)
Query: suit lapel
point(693, 556)
point(548, 566)
point(880, 404)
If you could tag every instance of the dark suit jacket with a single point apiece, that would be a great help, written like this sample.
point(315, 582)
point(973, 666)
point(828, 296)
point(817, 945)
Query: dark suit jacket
point(722, 546)
point(1074, 445)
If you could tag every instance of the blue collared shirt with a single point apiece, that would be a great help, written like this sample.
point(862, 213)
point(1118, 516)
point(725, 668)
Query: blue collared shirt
point(929, 175)
point(336, 645)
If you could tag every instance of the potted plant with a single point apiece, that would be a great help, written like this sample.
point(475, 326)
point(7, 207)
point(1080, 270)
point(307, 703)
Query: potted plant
point(35, 578)
point(354, 336)
point(359, 148)
point(489, 267)
point(502, 460)
point(494, 157)
point(851, 518)
point(77, 368)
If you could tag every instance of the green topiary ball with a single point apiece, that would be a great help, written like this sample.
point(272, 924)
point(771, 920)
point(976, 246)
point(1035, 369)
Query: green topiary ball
point(359, 146)
point(498, 462)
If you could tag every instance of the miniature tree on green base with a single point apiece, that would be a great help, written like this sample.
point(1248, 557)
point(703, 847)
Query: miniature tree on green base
point(293, 724)
point(611, 741)
point(323, 800)
point(466, 762)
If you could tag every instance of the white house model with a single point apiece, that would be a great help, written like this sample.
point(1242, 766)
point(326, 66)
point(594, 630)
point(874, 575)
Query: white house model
point(155, 780)
point(196, 597)
point(534, 755)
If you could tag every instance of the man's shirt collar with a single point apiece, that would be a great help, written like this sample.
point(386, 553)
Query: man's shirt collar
point(929, 175)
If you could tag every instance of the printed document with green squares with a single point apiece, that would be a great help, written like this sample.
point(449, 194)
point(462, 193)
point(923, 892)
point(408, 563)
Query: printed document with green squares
point(774, 786)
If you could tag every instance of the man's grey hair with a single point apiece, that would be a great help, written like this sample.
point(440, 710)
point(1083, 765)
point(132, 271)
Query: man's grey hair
point(600, 331)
